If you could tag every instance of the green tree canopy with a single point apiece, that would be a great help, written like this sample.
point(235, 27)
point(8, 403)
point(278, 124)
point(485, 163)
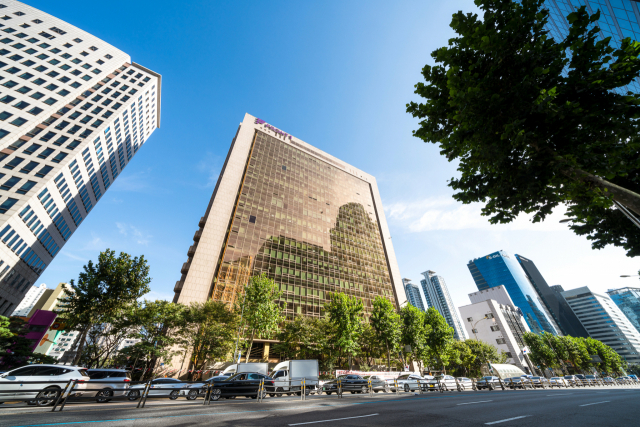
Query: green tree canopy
point(386, 323)
point(104, 293)
point(439, 339)
point(414, 332)
point(535, 123)
point(207, 332)
point(260, 310)
point(345, 313)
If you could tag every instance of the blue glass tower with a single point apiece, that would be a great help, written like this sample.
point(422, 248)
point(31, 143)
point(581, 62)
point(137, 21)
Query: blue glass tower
point(618, 19)
point(499, 268)
point(628, 300)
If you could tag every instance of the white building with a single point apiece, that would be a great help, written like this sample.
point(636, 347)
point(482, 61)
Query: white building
point(414, 295)
point(604, 321)
point(437, 295)
point(494, 319)
point(29, 300)
point(74, 112)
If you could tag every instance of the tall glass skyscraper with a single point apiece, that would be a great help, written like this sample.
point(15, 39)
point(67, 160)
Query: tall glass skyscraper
point(628, 300)
point(75, 110)
point(414, 295)
point(437, 296)
point(555, 305)
point(618, 19)
point(311, 222)
point(499, 268)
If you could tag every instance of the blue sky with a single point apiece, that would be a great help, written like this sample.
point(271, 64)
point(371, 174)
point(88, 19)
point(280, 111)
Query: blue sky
point(335, 74)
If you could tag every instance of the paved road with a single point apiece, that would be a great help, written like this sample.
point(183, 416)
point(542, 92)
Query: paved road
point(602, 406)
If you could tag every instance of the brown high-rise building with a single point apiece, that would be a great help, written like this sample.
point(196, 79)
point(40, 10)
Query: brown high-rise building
point(308, 220)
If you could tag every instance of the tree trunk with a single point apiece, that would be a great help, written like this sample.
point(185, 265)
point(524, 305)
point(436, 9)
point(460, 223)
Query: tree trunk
point(388, 358)
point(626, 197)
point(246, 359)
point(83, 338)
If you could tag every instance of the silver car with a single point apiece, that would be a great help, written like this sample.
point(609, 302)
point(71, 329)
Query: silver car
point(160, 387)
point(446, 382)
point(557, 382)
point(113, 382)
point(410, 382)
point(50, 380)
point(465, 383)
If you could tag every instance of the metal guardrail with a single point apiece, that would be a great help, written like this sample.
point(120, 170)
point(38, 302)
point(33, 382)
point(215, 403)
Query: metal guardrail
point(64, 392)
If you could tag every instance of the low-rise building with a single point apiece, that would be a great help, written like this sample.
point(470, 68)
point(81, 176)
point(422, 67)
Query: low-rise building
point(494, 319)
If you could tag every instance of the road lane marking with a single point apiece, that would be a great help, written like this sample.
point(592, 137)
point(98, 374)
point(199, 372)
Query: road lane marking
point(508, 419)
point(596, 403)
point(481, 401)
point(335, 419)
point(560, 394)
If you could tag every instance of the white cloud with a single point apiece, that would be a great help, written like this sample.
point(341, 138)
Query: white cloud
point(445, 213)
point(138, 235)
point(209, 166)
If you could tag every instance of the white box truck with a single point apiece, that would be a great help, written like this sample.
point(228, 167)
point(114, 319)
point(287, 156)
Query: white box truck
point(262, 368)
point(288, 376)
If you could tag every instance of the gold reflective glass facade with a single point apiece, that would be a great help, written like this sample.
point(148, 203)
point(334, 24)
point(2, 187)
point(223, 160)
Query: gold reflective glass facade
point(307, 224)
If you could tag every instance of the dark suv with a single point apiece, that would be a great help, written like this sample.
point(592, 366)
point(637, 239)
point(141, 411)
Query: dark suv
point(113, 382)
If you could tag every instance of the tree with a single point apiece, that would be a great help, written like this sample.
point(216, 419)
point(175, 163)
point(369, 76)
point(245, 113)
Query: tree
point(535, 123)
point(104, 293)
point(345, 313)
point(259, 309)
point(154, 323)
point(15, 349)
point(207, 332)
point(541, 354)
point(413, 332)
point(439, 339)
point(471, 354)
point(386, 322)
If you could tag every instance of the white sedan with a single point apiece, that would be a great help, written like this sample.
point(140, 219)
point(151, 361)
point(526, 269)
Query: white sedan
point(410, 382)
point(50, 381)
point(160, 387)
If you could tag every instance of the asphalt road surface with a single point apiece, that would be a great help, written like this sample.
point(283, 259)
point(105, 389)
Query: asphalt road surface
point(598, 406)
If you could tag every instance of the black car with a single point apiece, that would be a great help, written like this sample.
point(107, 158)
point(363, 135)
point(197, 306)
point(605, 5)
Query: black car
point(353, 384)
point(242, 384)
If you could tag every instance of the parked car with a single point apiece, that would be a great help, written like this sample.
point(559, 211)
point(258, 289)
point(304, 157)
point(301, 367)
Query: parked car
point(411, 382)
point(378, 383)
point(54, 379)
point(353, 384)
point(541, 382)
point(573, 381)
point(585, 381)
point(160, 387)
point(114, 383)
point(558, 382)
point(488, 382)
point(446, 382)
point(465, 383)
point(241, 384)
point(193, 391)
point(517, 382)
point(608, 381)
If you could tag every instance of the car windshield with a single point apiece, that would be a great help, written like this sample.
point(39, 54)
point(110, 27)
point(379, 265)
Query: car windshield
point(343, 377)
point(403, 377)
point(535, 378)
point(592, 377)
point(83, 372)
point(487, 378)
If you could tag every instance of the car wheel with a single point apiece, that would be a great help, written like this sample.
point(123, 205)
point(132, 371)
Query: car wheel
point(353, 392)
point(133, 395)
point(462, 387)
point(364, 389)
point(104, 395)
point(215, 394)
point(192, 395)
point(174, 395)
point(387, 389)
point(375, 391)
point(328, 393)
point(47, 396)
point(407, 388)
point(272, 395)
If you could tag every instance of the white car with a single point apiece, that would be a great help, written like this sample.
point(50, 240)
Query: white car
point(410, 382)
point(50, 381)
point(160, 387)
point(558, 382)
point(447, 382)
point(465, 383)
